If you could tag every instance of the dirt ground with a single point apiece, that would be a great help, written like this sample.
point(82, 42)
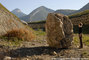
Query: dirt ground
point(39, 50)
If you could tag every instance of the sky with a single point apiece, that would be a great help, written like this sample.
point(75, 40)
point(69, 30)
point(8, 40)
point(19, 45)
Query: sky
point(27, 6)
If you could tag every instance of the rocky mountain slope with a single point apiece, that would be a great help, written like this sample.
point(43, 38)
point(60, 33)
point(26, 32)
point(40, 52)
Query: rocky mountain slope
point(18, 12)
point(38, 14)
point(8, 21)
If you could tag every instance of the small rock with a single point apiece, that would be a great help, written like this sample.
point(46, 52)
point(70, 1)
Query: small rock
point(54, 53)
point(7, 58)
point(33, 44)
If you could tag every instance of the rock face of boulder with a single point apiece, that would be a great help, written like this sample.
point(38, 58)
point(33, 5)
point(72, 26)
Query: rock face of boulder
point(8, 21)
point(59, 31)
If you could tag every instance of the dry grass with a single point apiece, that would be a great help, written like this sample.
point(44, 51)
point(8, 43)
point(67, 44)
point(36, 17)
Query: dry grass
point(85, 39)
point(20, 34)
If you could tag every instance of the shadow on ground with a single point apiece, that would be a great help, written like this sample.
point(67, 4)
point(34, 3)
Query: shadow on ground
point(23, 52)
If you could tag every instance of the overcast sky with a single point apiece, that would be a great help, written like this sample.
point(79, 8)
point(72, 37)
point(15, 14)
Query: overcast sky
point(28, 6)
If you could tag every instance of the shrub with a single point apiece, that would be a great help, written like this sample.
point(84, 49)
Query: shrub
point(20, 34)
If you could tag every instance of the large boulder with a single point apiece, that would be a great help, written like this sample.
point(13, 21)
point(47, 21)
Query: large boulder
point(59, 31)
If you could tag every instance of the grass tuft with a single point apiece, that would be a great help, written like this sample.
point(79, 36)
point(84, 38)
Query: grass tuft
point(19, 34)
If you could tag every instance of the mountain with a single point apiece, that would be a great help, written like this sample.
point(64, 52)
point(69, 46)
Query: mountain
point(18, 12)
point(8, 21)
point(86, 7)
point(64, 11)
point(38, 14)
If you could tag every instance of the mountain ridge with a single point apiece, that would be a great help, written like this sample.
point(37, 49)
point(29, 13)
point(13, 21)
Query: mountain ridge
point(64, 11)
point(85, 7)
point(38, 14)
point(41, 13)
point(18, 12)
